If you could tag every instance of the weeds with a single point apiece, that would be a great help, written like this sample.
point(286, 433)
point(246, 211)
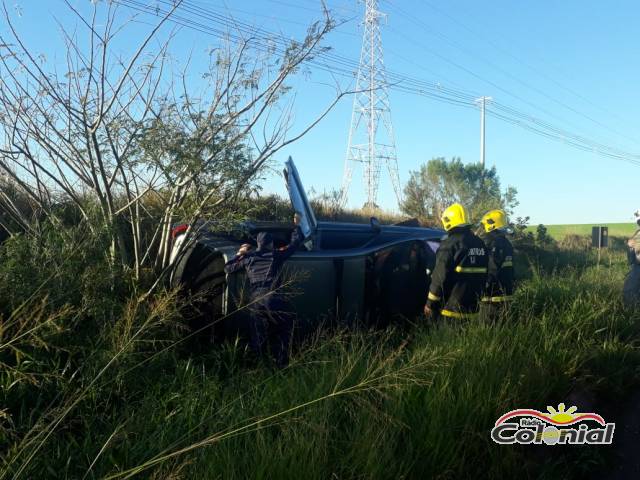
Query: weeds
point(116, 395)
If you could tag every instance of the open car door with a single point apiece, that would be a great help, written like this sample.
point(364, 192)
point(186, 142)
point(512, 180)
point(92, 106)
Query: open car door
point(308, 223)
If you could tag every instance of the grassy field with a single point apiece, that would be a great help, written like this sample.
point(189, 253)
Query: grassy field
point(558, 232)
point(120, 395)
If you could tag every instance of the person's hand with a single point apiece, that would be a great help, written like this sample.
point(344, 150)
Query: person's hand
point(244, 248)
point(297, 218)
point(427, 311)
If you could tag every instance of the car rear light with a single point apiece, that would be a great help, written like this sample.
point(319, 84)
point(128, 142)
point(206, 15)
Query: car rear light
point(178, 230)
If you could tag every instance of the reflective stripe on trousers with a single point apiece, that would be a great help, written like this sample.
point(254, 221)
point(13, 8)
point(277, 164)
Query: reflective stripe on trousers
point(499, 299)
point(452, 314)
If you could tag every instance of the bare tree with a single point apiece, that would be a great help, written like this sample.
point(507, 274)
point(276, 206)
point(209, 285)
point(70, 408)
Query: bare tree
point(129, 141)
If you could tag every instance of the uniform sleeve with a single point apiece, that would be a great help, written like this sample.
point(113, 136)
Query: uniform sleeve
point(498, 254)
point(296, 240)
point(236, 264)
point(493, 264)
point(443, 268)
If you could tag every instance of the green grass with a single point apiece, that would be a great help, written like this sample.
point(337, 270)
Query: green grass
point(401, 403)
point(558, 232)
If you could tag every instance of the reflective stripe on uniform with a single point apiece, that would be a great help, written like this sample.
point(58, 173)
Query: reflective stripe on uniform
point(433, 296)
point(507, 264)
point(461, 269)
point(449, 313)
point(503, 298)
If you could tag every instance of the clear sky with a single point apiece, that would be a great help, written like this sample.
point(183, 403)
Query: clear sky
point(573, 63)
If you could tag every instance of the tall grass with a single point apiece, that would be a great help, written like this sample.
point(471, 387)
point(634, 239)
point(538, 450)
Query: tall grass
point(411, 402)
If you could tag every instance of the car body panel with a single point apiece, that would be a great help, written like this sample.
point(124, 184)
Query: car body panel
point(353, 272)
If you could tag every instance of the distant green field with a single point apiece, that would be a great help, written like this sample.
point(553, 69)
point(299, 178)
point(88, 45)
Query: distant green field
point(560, 231)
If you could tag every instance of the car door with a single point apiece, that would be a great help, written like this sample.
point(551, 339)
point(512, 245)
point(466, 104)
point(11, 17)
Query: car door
point(308, 223)
point(396, 283)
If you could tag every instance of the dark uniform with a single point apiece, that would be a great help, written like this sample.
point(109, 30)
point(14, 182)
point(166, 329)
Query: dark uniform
point(631, 288)
point(459, 276)
point(270, 320)
point(499, 287)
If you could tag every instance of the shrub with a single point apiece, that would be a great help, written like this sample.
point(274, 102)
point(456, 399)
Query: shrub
point(575, 242)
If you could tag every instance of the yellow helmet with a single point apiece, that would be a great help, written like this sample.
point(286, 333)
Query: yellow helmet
point(493, 220)
point(454, 216)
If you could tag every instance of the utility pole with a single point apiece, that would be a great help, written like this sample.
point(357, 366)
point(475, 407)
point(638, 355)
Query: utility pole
point(371, 138)
point(482, 101)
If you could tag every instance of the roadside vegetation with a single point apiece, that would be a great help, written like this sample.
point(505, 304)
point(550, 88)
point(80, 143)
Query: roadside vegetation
point(99, 383)
point(439, 183)
point(100, 376)
point(558, 232)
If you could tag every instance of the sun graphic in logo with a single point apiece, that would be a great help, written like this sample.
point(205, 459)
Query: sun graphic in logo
point(561, 416)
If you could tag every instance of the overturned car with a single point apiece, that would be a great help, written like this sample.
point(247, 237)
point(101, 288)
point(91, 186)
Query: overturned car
point(342, 273)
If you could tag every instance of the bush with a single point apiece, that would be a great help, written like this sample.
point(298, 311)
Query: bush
point(542, 236)
point(576, 242)
point(277, 209)
point(69, 266)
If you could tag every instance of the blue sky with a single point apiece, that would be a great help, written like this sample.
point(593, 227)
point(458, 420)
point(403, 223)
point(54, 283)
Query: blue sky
point(572, 63)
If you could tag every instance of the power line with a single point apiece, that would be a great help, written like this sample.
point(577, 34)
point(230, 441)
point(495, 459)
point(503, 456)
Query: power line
point(482, 101)
point(413, 19)
point(342, 66)
point(300, 7)
point(523, 62)
point(337, 62)
point(280, 18)
point(404, 83)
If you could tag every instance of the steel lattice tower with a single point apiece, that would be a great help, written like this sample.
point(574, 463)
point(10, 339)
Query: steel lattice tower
point(369, 144)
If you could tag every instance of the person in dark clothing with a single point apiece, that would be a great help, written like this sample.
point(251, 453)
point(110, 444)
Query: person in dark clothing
point(499, 288)
point(460, 273)
point(270, 322)
point(631, 288)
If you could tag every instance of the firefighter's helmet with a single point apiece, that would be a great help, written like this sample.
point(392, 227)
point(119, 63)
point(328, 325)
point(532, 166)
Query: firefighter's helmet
point(493, 220)
point(454, 216)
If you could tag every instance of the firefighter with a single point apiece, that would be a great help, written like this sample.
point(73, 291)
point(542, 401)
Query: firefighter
point(631, 288)
point(270, 322)
point(461, 269)
point(499, 288)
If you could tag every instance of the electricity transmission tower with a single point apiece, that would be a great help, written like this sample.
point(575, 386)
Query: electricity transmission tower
point(371, 140)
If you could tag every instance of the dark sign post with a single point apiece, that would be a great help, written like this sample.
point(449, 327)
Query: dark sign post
point(599, 239)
